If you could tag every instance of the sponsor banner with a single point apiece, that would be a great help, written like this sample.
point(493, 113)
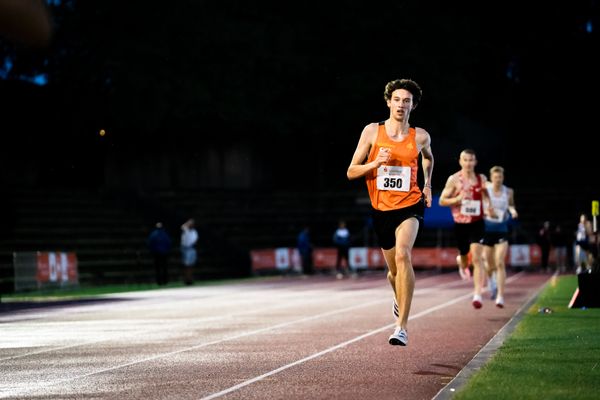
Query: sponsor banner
point(57, 267)
point(520, 255)
point(324, 258)
point(376, 259)
point(359, 257)
point(282, 258)
point(535, 255)
point(263, 259)
point(425, 257)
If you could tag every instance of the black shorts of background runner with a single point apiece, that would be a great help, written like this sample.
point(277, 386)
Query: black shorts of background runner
point(468, 233)
point(492, 238)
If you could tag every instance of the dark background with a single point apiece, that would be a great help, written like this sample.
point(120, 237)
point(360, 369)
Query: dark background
point(245, 116)
point(199, 94)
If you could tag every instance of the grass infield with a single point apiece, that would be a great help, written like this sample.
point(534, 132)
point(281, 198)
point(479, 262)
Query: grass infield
point(549, 355)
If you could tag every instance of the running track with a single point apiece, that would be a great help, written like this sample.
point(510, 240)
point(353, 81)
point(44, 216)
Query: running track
point(273, 338)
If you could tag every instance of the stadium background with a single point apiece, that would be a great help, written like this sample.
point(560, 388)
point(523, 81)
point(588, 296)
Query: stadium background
point(246, 116)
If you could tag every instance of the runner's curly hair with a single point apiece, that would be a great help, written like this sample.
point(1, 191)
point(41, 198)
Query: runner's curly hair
point(406, 84)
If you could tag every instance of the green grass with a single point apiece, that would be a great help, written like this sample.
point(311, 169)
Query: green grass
point(548, 356)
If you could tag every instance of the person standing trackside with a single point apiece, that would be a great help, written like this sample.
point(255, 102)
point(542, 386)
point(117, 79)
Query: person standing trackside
point(464, 193)
point(159, 243)
point(544, 240)
point(583, 254)
point(495, 238)
point(341, 240)
point(391, 149)
point(560, 242)
point(305, 249)
point(189, 255)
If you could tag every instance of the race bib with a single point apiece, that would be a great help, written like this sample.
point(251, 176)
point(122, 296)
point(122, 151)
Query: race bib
point(395, 178)
point(499, 216)
point(470, 207)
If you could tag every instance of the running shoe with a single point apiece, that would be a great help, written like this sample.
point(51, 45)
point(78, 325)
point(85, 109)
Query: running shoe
point(500, 302)
point(465, 274)
point(395, 310)
point(399, 337)
point(477, 301)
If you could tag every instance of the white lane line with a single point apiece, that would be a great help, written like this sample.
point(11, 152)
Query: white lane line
point(343, 344)
point(161, 296)
point(17, 391)
point(158, 356)
point(331, 349)
point(290, 300)
point(301, 297)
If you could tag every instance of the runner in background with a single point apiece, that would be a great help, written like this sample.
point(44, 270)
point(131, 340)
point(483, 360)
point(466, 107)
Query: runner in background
point(465, 193)
point(495, 238)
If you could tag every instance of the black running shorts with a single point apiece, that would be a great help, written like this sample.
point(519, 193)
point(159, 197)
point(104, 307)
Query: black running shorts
point(385, 223)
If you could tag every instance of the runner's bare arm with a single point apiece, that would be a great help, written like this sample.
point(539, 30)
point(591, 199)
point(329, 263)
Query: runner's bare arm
point(511, 204)
point(486, 197)
point(424, 143)
point(366, 141)
point(447, 197)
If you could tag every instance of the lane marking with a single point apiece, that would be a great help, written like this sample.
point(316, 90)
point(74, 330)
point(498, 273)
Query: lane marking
point(331, 349)
point(163, 355)
point(295, 298)
point(38, 385)
point(300, 297)
point(346, 343)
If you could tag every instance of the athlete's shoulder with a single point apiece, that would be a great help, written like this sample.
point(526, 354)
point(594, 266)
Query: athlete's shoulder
point(453, 178)
point(420, 131)
point(422, 136)
point(373, 126)
point(371, 129)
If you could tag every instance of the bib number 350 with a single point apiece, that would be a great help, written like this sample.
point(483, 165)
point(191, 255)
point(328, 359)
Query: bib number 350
point(395, 178)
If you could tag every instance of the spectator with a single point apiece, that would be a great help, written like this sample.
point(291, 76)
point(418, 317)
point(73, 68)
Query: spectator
point(559, 243)
point(159, 243)
point(189, 256)
point(583, 255)
point(305, 248)
point(341, 240)
point(544, 240)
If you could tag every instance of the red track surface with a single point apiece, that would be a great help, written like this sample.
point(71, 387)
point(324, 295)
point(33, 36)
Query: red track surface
point(275, 338)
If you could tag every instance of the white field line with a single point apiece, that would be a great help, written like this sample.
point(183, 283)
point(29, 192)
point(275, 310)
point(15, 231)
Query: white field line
point(340, 345)
point(12, 391)
point(191, 321)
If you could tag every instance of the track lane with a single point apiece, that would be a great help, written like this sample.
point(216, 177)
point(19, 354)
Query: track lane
point(190, 343)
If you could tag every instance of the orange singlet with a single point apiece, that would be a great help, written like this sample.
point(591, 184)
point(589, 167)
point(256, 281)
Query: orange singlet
point(394, 185)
